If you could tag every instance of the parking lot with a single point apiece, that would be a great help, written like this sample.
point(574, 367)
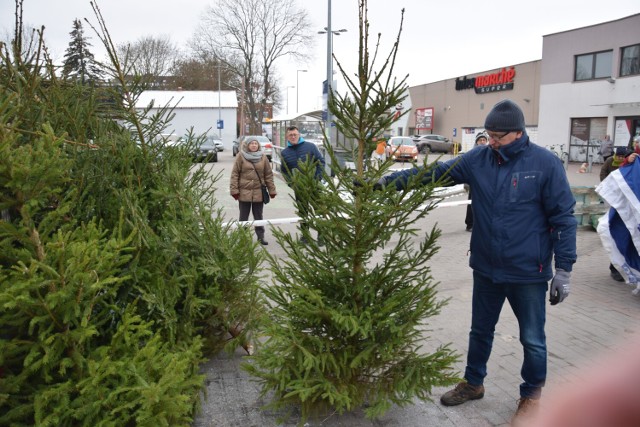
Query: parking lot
point(599, 315)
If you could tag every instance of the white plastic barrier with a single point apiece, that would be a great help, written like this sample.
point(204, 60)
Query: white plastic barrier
point(440, 192)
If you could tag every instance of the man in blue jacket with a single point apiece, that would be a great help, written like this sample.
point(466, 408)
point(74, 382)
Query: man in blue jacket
point(523, 217)
point(298, 150)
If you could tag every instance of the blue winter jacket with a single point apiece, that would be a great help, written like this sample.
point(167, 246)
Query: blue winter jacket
point(522, 210)
point(300, 152)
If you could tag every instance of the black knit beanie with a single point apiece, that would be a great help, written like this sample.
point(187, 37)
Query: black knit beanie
point(505, 116)
point(622, 151)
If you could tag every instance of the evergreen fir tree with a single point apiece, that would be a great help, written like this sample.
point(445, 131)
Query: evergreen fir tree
point(117, 276)
point(79, 63)
point(349, 318)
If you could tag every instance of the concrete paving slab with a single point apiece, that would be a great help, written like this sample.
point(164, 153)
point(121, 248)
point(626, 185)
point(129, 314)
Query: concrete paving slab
point(599, 315)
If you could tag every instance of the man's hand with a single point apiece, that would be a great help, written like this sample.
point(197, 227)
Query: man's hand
point(273, 195)
point(379, 185)
point(236, 196)
point(560, 286)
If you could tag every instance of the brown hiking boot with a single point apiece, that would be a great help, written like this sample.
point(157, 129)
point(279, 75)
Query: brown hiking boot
point(463, 392)
point(527, 410)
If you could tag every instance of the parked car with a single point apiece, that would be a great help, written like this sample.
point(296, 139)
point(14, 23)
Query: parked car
point(204, 151)
point(402, 148)
point(218, 143)
point(433, 144)
point(235, 146)
point(207, 150)
point(265, 144)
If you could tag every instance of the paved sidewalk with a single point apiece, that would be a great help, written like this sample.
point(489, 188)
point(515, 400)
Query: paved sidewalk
point(599, 315)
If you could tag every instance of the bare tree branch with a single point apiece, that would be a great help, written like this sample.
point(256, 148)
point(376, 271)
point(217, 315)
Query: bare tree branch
point(149, 56)
point(251, 36)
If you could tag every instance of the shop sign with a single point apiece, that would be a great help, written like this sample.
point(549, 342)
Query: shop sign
point(495, 82)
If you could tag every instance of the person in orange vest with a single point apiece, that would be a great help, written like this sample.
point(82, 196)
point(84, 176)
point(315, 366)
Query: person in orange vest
point(380, 153)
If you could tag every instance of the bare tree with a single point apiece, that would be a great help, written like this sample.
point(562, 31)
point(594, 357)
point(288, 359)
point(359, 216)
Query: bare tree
point(252, 35)
point(195, 73)
point(149, 56)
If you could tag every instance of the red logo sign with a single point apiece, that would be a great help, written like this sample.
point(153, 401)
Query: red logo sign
point(502, 80)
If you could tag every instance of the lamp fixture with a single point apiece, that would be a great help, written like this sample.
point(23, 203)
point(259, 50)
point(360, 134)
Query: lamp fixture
point(334, 32)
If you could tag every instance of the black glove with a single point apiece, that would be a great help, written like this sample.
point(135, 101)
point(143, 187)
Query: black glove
point(560, 286)
point(379, 185)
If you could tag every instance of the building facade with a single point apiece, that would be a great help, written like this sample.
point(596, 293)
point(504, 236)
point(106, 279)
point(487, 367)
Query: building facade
point(586, 86)
point(456, 108)
point(198, 109)
point(590, 87)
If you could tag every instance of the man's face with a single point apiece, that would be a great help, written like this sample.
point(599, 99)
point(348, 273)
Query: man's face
point(500, 139)
point(293, 136)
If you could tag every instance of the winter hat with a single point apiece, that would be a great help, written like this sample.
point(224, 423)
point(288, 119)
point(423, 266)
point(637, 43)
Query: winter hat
point(621, 151)
point(481, 135)
point(505, 116)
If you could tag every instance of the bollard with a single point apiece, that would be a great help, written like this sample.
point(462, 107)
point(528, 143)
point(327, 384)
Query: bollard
point(590, 163)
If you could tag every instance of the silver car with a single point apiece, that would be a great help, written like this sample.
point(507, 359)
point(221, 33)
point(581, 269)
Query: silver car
point(433, 144)
point(218, 143)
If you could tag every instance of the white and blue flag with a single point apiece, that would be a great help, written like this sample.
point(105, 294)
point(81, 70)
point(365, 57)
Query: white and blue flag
point(619, 229)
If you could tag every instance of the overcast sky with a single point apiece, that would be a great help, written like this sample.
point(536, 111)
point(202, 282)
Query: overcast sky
point(440, 39)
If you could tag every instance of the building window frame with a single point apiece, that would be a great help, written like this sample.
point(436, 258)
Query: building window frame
point(630, 60)
point(593, 66)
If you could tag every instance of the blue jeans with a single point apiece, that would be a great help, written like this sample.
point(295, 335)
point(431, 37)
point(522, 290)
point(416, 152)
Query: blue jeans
point(528, 304)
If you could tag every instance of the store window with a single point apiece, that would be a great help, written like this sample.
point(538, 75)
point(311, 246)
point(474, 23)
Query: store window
point(630, 60)
point(593, 66)
point(586, 137)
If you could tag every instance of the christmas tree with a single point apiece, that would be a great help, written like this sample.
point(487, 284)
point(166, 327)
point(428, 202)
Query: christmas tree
point(117, 275)
point(348, 314)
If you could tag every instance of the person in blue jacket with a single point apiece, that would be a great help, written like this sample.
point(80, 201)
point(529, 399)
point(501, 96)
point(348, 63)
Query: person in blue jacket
point(298, 150)
point(524, 222)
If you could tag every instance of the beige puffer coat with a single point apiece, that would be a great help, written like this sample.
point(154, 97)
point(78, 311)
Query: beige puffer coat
point(244, 180)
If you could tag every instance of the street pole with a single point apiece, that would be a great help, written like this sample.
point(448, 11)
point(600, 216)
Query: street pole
point(219, 103)
point(297, 88)
point(329, 70)
point(327, 158)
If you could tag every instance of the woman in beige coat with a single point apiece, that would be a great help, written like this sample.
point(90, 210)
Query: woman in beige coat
point(250, 172)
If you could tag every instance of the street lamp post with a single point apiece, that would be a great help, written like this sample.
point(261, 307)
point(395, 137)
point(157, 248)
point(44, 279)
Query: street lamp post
point(329, 70)
point(219, 104)
point(330, 33)
point(297, 87)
